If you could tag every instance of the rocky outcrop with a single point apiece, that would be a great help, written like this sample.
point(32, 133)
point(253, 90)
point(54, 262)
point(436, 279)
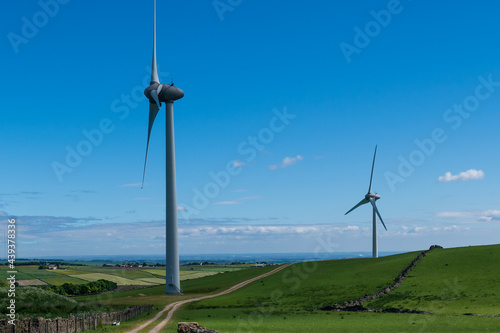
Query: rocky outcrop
point(357, 305)
point(193, 328)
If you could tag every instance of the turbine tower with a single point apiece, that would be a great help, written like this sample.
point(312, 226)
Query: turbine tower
point(371, 198)
point(158, 93)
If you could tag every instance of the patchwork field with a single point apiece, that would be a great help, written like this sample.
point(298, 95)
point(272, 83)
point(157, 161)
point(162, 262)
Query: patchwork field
point(121, 281)
point(34, 282)
point(31, 275)
point(196, 275)
point(127, 273)
point(153, 280)
point(70, 272)
point(158, 272)
point(27, 274)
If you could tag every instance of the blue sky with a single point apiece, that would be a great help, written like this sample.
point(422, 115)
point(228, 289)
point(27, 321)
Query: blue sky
point(291, 97)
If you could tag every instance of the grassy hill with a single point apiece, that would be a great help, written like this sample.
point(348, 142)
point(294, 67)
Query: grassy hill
point(448, 283)
point(305, 287)
point(32, 302)
point(451, 281)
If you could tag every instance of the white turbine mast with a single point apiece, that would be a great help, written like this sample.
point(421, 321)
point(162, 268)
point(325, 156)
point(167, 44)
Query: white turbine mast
point(156, 94)
point(371, 198)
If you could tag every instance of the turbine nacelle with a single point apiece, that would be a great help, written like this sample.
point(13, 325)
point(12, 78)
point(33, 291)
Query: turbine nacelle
point(157, 93)
point(372, 195)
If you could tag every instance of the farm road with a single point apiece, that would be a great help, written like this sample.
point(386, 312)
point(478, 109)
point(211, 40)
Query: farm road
point(171, 308)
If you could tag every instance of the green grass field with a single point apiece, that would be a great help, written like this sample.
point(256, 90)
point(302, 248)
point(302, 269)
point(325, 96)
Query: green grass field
point(451, 281)
point(20, 275)
point(447, 283)
point(126, 273)
point(305, 287)
point(60, 279)
point(155, 271)
point(115, 278)
point(233, 320)
point(32, 272)
point(70, 272)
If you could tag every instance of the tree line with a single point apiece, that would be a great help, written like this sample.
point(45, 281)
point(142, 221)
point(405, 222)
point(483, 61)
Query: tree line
point(82, 289)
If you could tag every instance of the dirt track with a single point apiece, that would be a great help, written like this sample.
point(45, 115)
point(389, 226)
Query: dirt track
point(171, 308)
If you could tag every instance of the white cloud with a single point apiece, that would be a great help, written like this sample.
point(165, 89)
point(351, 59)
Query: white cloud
point(286, 162)
point(238, 163)
point(451, 228)
point(235, 202)
point(490, 215)
point(265, 230)
point(351, 227)
point(458, 215)
point(223, 203)
point(484, 215)
point(415, 230)
point(250, 198)
point(467, 175)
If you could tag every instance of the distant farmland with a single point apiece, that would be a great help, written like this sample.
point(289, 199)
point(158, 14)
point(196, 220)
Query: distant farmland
point(118, 279)
point(147, 276)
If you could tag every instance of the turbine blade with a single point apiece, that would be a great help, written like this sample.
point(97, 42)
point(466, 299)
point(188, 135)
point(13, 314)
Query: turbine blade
point(154, 94)
point(153, 111)
point(372, 201)
point(371, 176)
point(154, 71)
point(362, 202)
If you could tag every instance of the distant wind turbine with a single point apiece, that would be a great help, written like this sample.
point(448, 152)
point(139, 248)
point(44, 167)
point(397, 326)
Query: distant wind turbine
point(156, 94)
point(371, 198)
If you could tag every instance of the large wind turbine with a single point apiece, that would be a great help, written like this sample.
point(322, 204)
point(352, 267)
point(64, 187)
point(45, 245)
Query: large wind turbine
point(371, 198)
point(166, 93)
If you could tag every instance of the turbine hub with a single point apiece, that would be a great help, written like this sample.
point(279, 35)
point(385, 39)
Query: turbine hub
point(166, 92)
point(372, 195)
point(147, 92)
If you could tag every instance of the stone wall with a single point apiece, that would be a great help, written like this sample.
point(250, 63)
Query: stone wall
point(357, 305)
point(71, 324)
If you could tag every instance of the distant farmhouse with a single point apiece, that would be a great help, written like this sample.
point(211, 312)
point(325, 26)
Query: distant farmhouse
point(258, 265)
